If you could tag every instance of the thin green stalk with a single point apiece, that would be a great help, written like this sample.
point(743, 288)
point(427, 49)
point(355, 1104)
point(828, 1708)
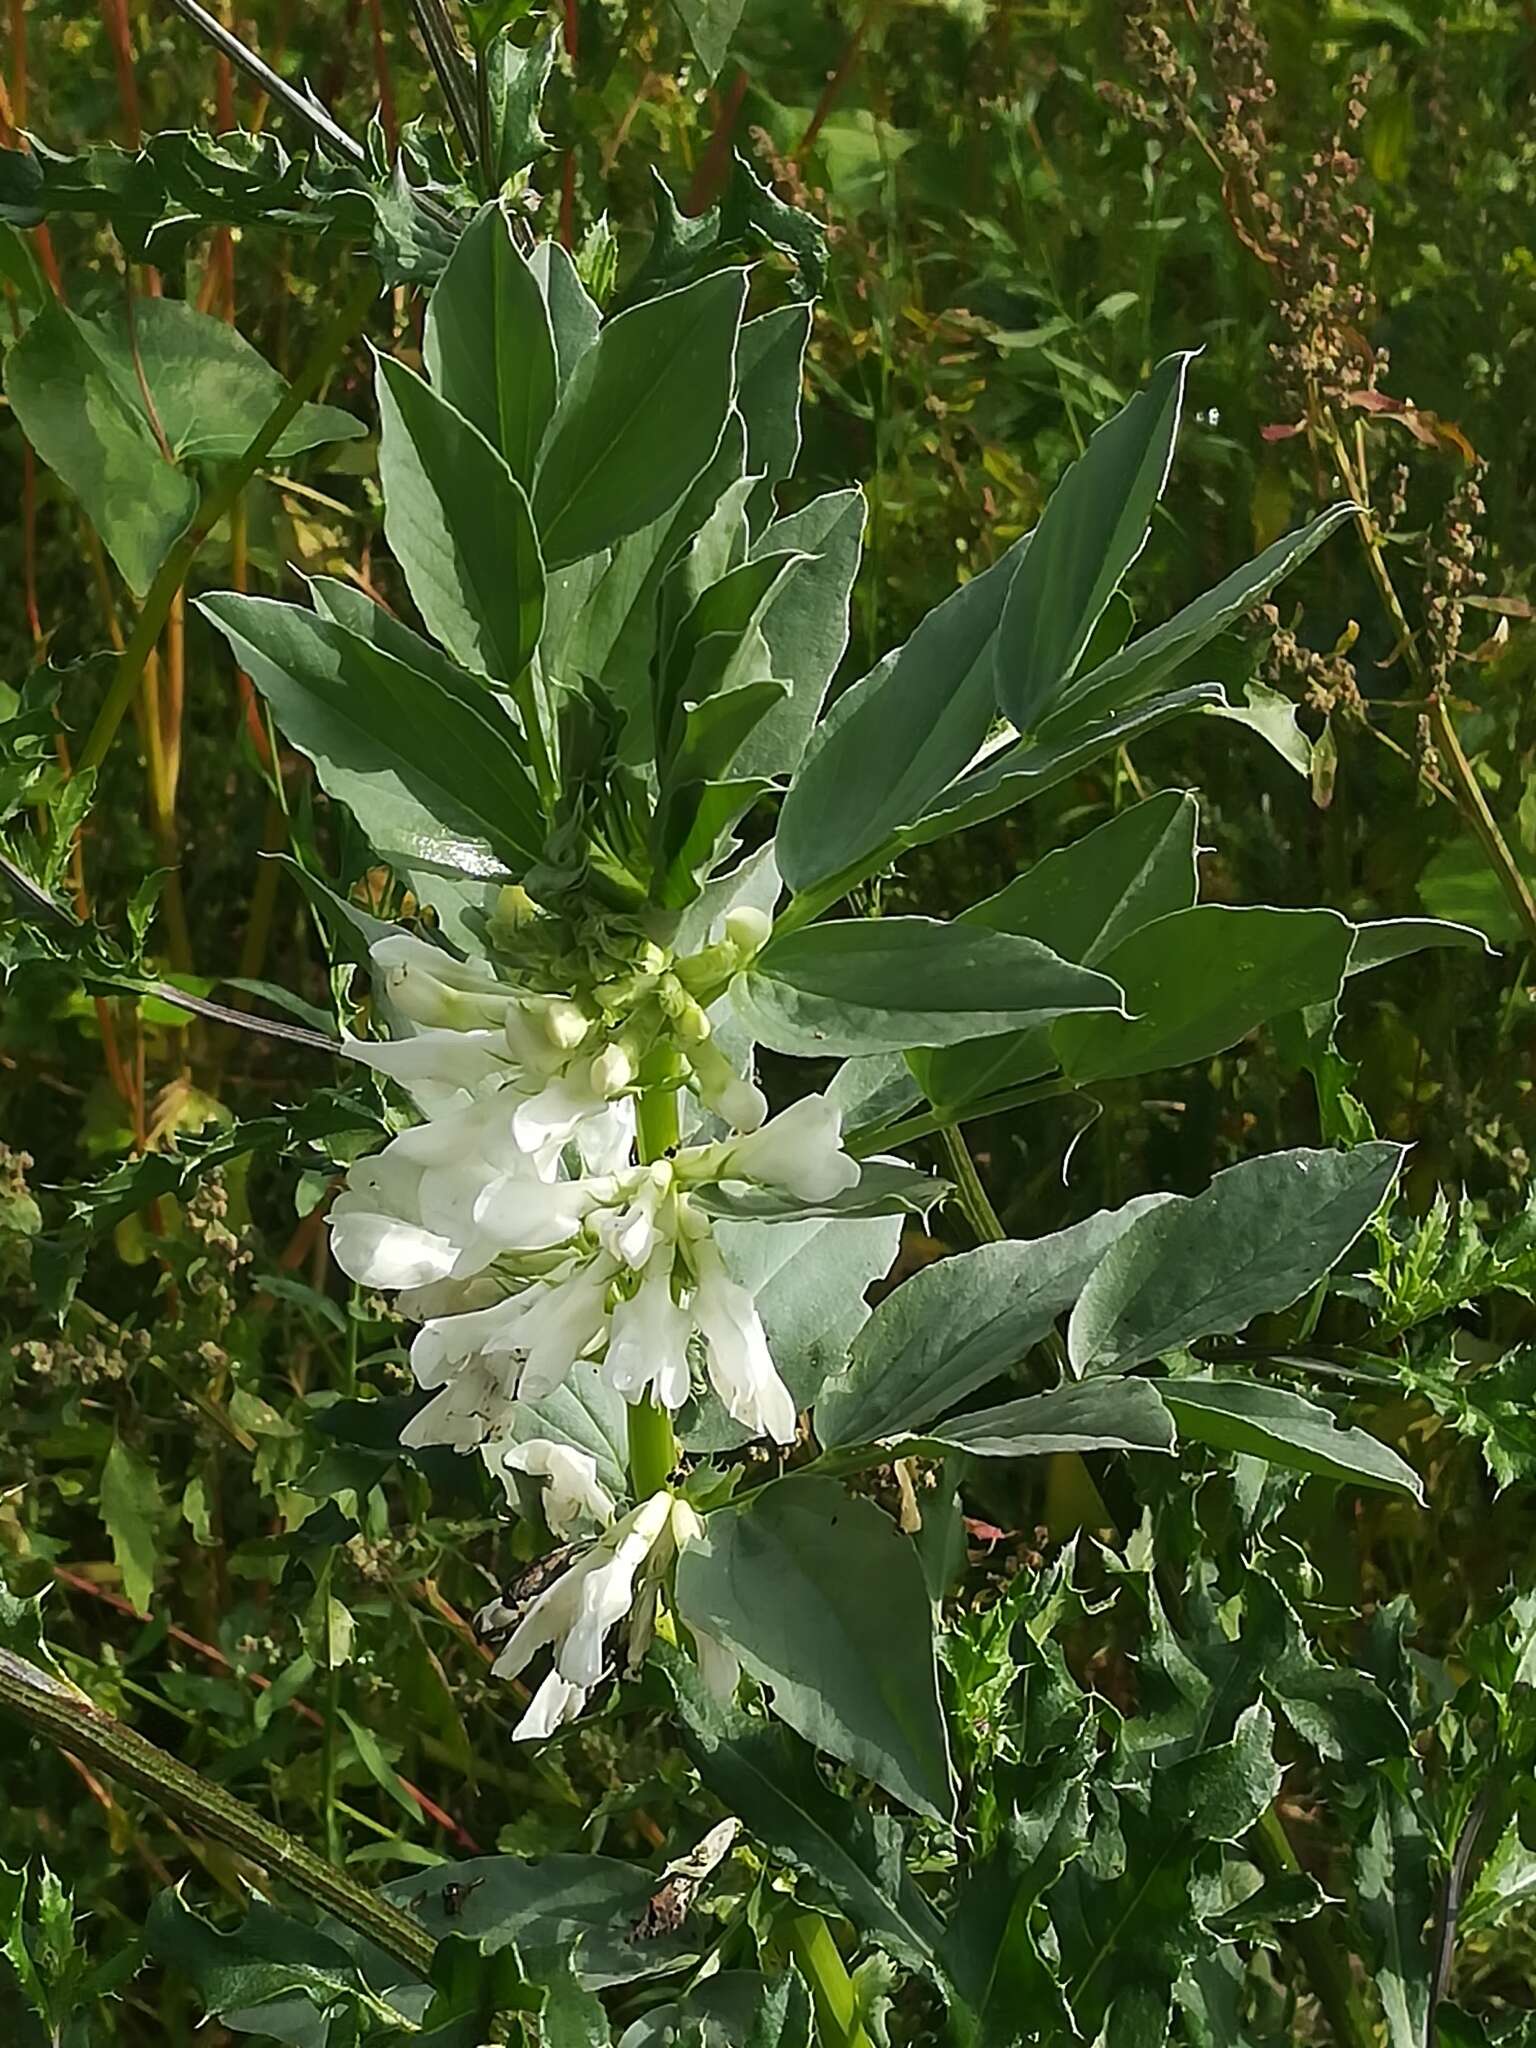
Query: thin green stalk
point(972, 1196)
point(811, 1943)
point(652, 1444)
point(173, 571)
point(65, 1717)
point(546, 781)
point(1324, 1955)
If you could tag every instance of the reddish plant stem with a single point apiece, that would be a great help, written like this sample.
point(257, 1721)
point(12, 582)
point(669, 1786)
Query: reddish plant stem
point(114, 15)
point(384, 78)
point(715, 164)
point(839, 78)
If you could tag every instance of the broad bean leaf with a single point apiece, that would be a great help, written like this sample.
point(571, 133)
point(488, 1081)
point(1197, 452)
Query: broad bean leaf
point(265, 1958)
point(1093, 1415)
point(733, 2009)
point(586, 1903)
point(1016, 774)
point(1169, 652)
point(1393, 938)
point(959, 1323)
point(885, 1187)
point(864, 985)
point(844, 1639)
point(1091, 531)
point(767, 1776)
point(769, 369)
point(1080, 901)
point(574, 316)
point(805, 625)
point(489, 347)
point(459, 524)
point(1262, 1234)
point(71, 410)
point(808, 1280)
point(640, 418)
point(430, 774)
point(896, 740)
point(1198, 980)
point(1262, 1421)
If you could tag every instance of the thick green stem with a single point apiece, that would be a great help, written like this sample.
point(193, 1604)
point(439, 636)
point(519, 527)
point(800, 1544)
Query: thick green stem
point(810, 1941)
point(173, 571)
point(652, 1444)
point(72, 1722)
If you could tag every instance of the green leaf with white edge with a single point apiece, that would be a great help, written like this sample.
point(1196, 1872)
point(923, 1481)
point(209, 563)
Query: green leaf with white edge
point(1272, 716)
point(716, 647)
point(459, 524)
point(764, 1773)
point(805, 624)
point(1092, 1415)
point(1262, 1233)
point(845, 1643)
point(1151, 661)
point(1091, 531)
point(1393, 938)
point(808, 1280)
point(1017, 773)
point(862, 985)
point(711, 24)
point(640, 418)
point(893, 742)
point(212, 391)
point(769, 369)
point(516, 74)
point(956, 1325)
point(885, 1187)
point(1260, 1421)
point(692, 836)
point(88, 434)
point(586, 1903)
point(574, 317)
point(130, 1508)
point(583, 1412)
point(1080, 901)
point(345, 605)
point(489, 348)
point(1199, 980)
point(431, 775)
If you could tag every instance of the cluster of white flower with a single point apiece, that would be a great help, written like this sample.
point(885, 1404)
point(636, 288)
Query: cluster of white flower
point(515, 1223)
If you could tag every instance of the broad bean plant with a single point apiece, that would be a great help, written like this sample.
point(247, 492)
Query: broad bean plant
point(639, 1092)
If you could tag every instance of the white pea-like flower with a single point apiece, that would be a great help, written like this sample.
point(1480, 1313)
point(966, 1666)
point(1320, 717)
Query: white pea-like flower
point(573, 1493)
point(800, 1152)
point(648, 1342)
point(741, 1367)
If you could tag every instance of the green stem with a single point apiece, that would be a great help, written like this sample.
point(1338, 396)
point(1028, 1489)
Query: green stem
point(811, 1943)
point(931, 1122)
point(526, 697)
point(72, 1722)
point(658, 1114)
point(1324, 1954)
point(173, 571)
point(973, 1197)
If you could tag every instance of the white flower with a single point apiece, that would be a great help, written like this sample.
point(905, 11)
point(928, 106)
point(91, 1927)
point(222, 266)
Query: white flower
point(576, 1612)
point(440, 1070)
point(615, 1582)
point(573, 1492)
point(473, 1404)
point(529, 1215)
point(719, 1667)
point(556, 1702)
point(431, 987)
point(741, 1367)
point(630, 1234)
point(648, 1342)
point(799, 1151)
point(393, 1227)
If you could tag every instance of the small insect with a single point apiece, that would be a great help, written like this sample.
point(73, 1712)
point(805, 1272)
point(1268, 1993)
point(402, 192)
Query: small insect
point(456, 1896)
point(500, 1616)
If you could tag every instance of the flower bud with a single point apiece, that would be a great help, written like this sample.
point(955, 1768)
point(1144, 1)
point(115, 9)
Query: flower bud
point(748, 929)
point(612, 1071)
point(565, 1023)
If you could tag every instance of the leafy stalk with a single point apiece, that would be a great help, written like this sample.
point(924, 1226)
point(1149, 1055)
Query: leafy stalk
point(74, 1723)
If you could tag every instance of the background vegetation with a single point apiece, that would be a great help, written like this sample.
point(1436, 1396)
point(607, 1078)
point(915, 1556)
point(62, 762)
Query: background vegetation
point(1027, 208)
